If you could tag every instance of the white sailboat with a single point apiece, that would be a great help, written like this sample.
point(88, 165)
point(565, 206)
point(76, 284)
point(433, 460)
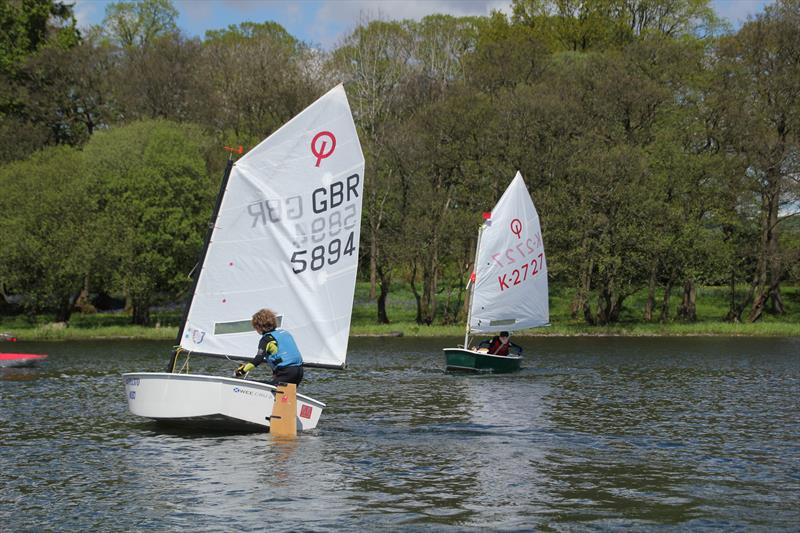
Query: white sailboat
point(285, 236)
point(508, 288)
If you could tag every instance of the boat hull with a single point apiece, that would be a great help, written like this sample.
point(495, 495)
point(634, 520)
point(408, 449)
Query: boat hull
point(20, 359)
point(461, 360)
point(210, 402)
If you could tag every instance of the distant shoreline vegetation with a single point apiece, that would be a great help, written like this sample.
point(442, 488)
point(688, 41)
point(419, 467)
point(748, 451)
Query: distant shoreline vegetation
point(707, 329)
point(401, 308)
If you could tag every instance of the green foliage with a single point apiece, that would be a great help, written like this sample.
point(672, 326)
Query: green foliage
point(28, 25)
point(137, 24)
point(662, 154)
point(30, 29)
point(156, 198)
point(46, 227)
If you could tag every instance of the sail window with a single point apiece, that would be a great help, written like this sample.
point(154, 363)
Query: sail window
point(239, 326)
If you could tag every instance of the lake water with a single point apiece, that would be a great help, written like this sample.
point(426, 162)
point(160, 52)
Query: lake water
point(594, 433)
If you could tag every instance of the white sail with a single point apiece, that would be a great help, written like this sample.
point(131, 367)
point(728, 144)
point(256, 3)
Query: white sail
point(510, 291)
point(286, 238)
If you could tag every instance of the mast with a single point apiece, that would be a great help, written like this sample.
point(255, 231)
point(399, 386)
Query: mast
point(199, 267)
point(472, 286)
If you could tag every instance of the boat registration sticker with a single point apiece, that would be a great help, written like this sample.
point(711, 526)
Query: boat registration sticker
point(305, 411)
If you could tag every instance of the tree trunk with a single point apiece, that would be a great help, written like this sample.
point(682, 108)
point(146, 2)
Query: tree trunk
point(429, 287)
point(774, 264)
point(588, 316)
point(141, 313)
point(430, 273)
point(734, 310)
point(665, 302)
point(651, 295)
point(373, 264)
point(580, 301)
point(385, 282)
point(64, 310)
point(605, 304)
point(767, 273)
point(413, 283)
point(615, 308)
point(776, 301)
point(688, 308)
point(82, 303)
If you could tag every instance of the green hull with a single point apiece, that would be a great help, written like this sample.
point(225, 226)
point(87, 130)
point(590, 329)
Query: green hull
point(457, 359)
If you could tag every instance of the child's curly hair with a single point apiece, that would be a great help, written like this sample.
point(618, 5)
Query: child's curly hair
point(265, 320)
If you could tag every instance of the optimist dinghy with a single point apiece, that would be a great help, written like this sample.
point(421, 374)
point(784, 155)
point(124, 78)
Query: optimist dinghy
point(285, 234)
point(508, 288)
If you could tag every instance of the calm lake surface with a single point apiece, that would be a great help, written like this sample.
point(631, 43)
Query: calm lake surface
point(594, 433)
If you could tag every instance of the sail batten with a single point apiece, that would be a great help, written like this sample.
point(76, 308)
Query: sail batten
point(286, 237)
point(510, 289)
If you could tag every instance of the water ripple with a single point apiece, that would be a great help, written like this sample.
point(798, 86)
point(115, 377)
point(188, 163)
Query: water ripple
point(592, 434)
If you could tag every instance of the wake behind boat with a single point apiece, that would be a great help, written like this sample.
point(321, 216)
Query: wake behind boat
point(508, 288)
point(285, 235)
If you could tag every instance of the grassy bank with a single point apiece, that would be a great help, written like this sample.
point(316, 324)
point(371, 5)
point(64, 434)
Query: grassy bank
point(711, 307)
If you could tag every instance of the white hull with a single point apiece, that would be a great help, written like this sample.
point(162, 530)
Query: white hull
point(210, 401)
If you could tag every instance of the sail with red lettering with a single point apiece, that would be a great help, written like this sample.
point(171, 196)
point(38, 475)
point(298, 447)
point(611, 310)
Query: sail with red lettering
point(286, 238)
point(510, 286)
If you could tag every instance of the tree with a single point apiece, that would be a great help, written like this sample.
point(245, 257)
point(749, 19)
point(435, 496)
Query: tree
point(582, 25)
point(160, 80)
point(135, 25)
point(30, 27)
point(440, 162)
point(253, 78)
point(375, 61)
point(156, 197)
point(759, 95)
point(47, 230)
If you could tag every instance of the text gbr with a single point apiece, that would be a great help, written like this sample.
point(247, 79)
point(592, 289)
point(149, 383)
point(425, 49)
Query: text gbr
point(322, 199)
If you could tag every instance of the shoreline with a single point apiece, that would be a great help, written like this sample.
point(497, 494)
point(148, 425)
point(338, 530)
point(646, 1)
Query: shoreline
point(716, 329)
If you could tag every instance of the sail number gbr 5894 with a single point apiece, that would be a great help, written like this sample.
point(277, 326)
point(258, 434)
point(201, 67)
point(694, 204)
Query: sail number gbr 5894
point(324, 237)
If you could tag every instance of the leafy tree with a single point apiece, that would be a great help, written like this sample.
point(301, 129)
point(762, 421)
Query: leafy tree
point(445, 179)
point(28, 25)
point(159, 80)
point(759, 99)
point(582, 25)
point(47, 229)
point(505, 55)
point(254, 77)
point(156, 198)
point(135, 25)
point(374, 61)
point(29, 28)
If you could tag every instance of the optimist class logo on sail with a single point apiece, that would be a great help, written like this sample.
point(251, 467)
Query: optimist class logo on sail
point(319, 149)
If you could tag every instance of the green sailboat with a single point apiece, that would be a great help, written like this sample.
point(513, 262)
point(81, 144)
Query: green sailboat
point(508, 288)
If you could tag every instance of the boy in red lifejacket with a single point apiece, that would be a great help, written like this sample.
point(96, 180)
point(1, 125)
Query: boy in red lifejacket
point(500, 345)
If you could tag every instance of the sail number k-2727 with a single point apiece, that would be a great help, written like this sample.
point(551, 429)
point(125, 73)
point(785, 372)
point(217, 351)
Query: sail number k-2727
point(525, 263)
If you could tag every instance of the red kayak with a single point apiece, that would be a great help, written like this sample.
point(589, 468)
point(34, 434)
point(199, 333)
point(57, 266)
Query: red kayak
point(20, 359)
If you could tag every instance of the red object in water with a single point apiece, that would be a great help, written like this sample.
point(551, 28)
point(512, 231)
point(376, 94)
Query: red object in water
point(20, 359)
